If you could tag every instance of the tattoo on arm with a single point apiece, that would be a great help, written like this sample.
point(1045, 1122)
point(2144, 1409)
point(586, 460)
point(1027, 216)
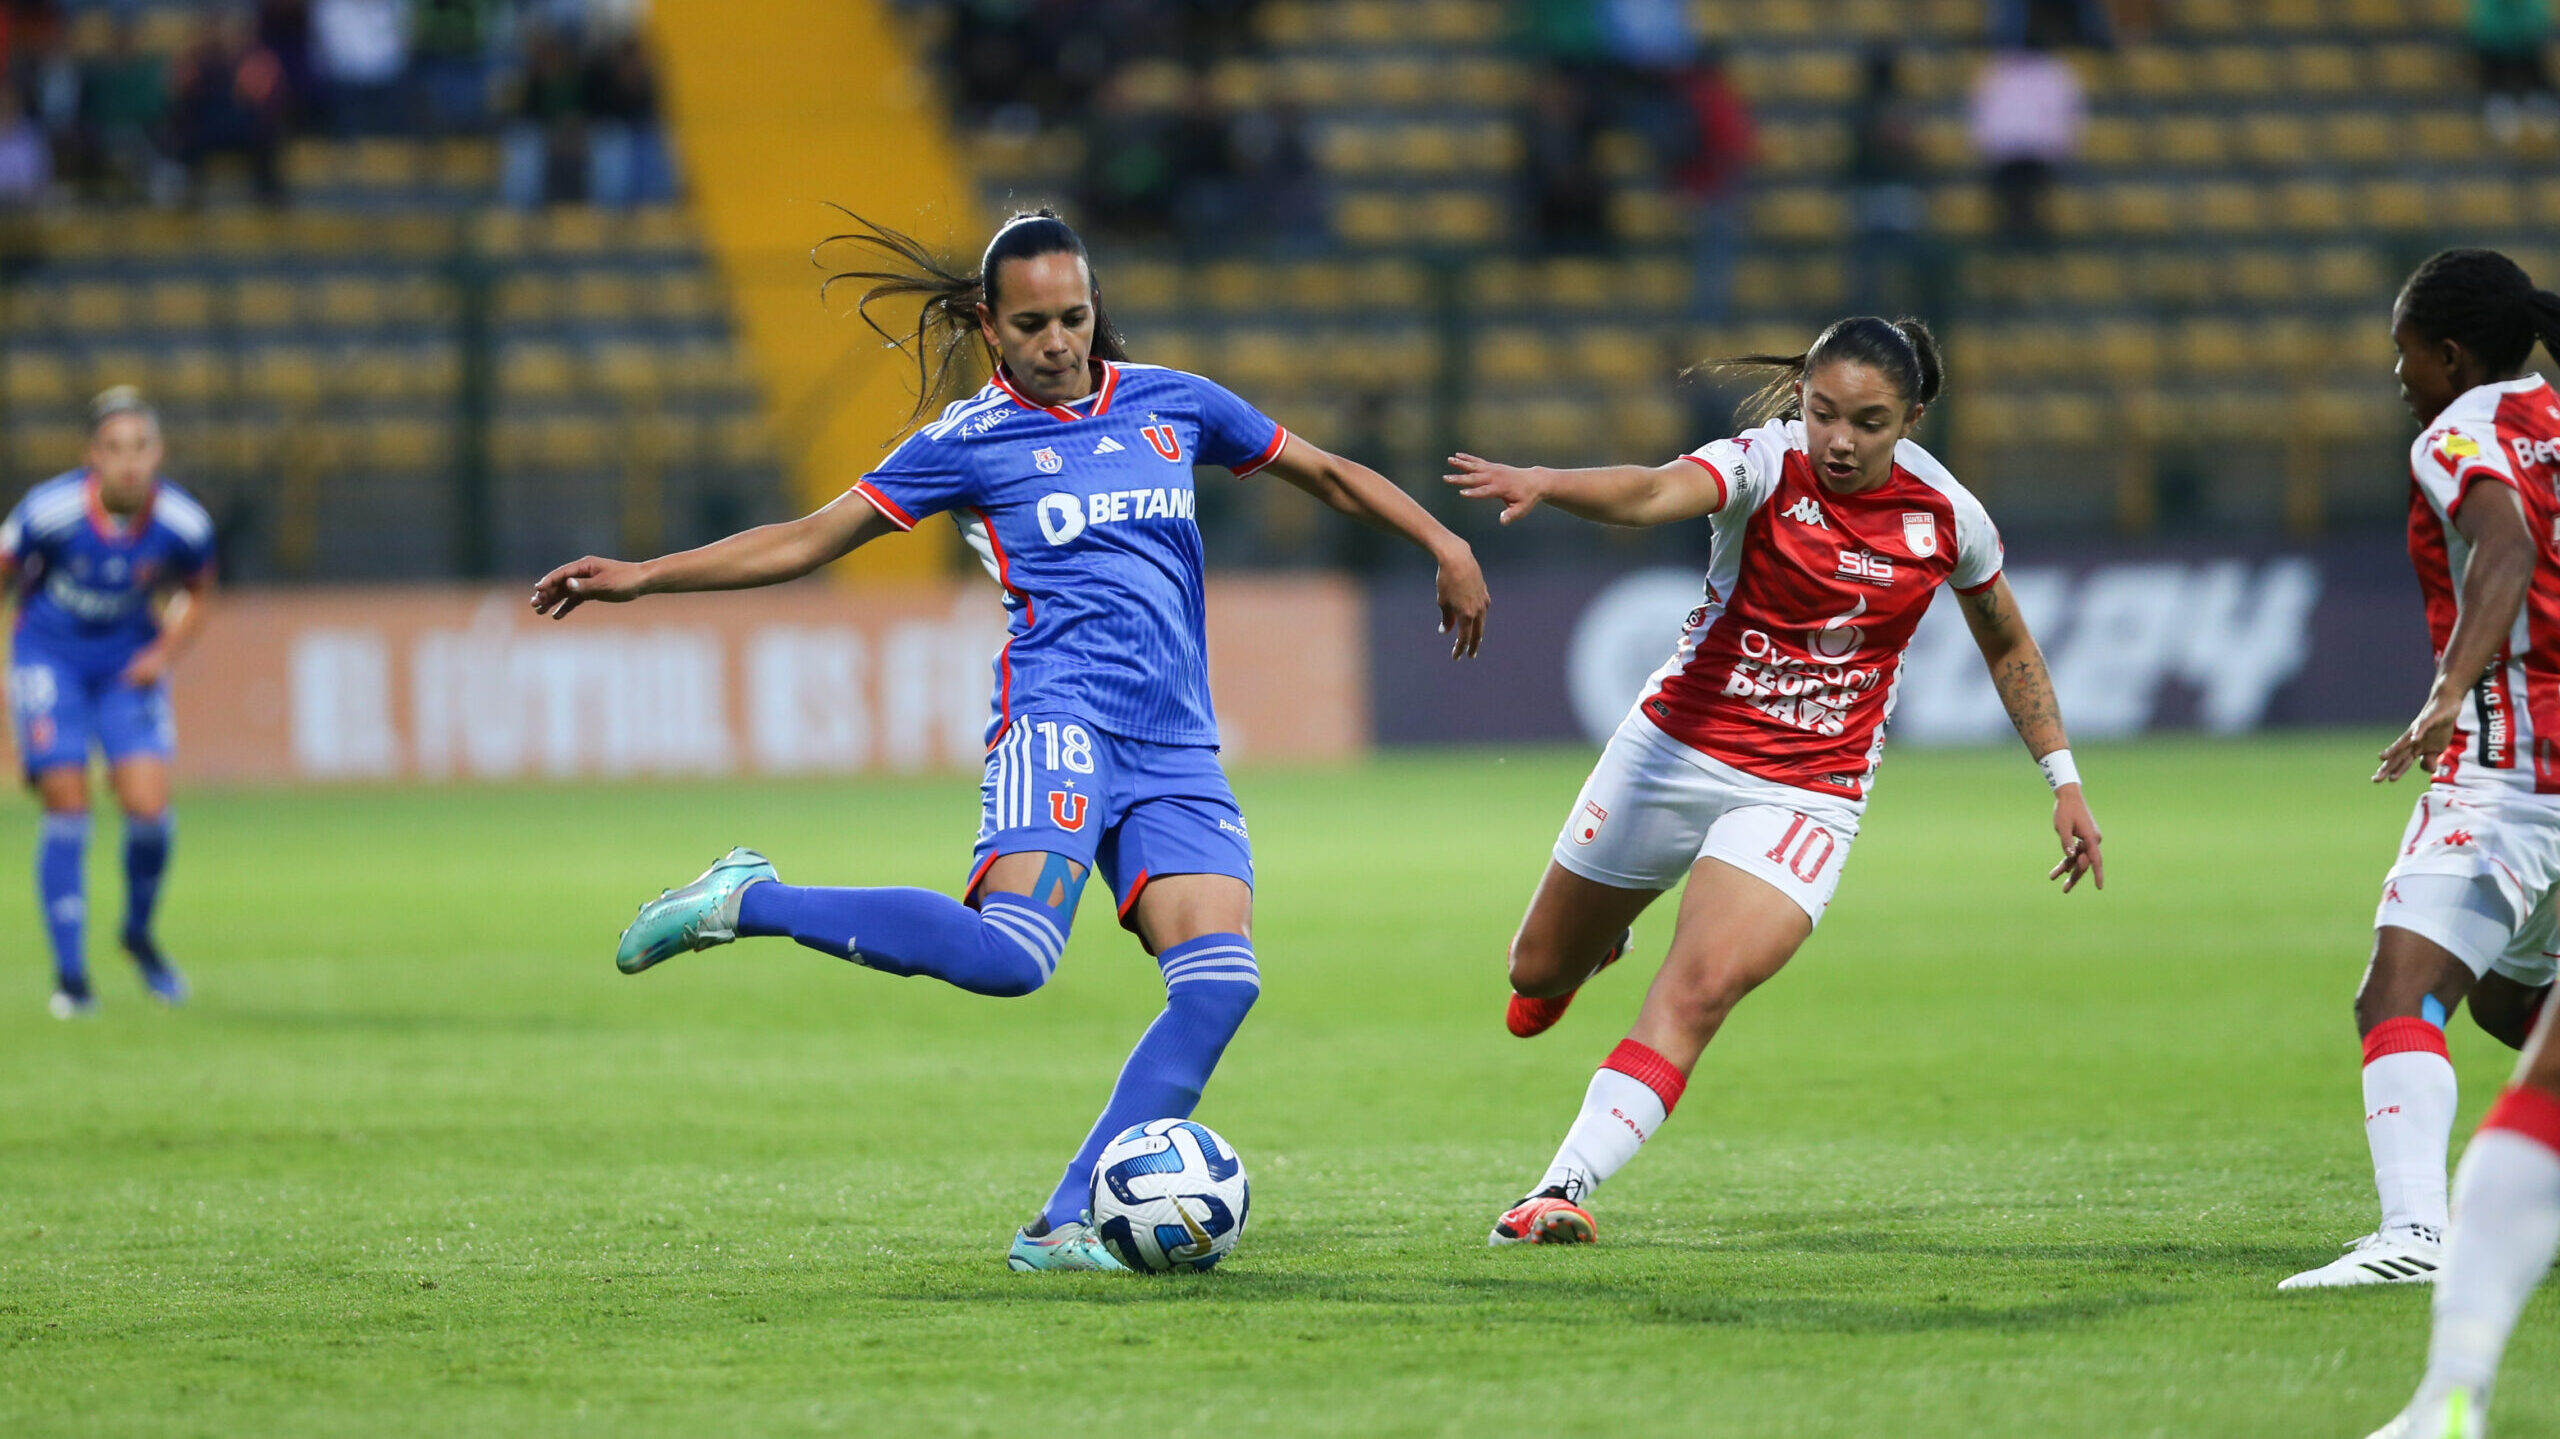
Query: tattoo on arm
point(2026, 692)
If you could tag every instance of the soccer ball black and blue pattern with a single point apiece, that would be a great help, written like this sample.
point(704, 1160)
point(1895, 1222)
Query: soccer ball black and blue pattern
point(1169, 1194)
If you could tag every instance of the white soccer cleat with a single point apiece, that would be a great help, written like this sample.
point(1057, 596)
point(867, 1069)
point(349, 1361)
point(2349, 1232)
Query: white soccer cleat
point(2403, 1256)
point(2452, 1414)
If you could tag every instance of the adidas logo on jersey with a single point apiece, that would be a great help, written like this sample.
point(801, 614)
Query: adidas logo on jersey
point(1109, 446)
point(1805, 512)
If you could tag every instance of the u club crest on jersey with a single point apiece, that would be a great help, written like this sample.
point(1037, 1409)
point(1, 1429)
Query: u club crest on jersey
point(1048, 460)
point(1920, 532)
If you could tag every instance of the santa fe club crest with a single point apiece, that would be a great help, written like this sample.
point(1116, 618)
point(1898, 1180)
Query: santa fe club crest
point(1050, 463)
point(1920, 532)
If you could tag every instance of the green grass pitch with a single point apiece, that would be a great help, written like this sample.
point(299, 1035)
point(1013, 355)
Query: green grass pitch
point(1985, 1161)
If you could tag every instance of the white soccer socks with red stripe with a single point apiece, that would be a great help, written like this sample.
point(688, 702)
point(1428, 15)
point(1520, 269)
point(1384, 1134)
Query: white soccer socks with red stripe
point(1627, 1101)
point(2409, 1099)
point(2505, 1228)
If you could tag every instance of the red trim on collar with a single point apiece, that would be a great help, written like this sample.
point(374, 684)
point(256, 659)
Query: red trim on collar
point(1101, 396)
point(105, 523)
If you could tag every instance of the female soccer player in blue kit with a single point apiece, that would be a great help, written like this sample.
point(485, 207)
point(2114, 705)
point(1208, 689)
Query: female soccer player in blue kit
point(1070, 473)
point(111, 566)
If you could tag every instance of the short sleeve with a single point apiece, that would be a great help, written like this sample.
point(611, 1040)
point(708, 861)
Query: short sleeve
point(1233, 433)
point(1747, 467)
point(2448, 460)
point(922, 477)
point(1978, 552)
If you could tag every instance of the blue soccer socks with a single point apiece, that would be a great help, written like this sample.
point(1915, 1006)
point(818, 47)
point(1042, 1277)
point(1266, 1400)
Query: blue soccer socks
point(60, 859)
point(1009, 945)
point(146, 859)
point(1210, 985)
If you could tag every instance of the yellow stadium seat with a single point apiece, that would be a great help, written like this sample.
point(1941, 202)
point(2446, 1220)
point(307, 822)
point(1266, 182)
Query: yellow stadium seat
point(2156, 72)
point(1646, 216)
point(406, 444)
point(2546, 213)
point(179, 305)
point(535, 369)
point(1370, 218)
point(2206, 17)
point(628, 368)
point(2109, 140)
point(2396, 204)
point(1314, 286)
point(36, 380)
point(290, 374)
point(2126, 349)
point(2482, 204)
point(2292, 16)
point(1459, 217)
point(346, 301)
point(44, 447)
point(1513, 355)
point(2264, 276)
point(1661, 286)
point(2450, 134)
point(1615, 356)
point(2415, 68)
point(1399, 82)
point(188, 375)
point(2229, 207)
point(264, 304)
point(2360, 137)
point(2324, 70)
point(1799, 214)
point(1351, 149)
point(1365, 22)
point(2194, 141)
point(1256, 357)
point(2241, 71)
point(1822, 76)
point(1389, 284)
point(2277, 139)
point(1459, 21)
point(2348, 273)
point(1134, 285)
point(2371, 14)
point(95, 305)
point(2177, 278)
point(2141, 208)
point(1577, 284)
point(2091, 277)
point(605, 295)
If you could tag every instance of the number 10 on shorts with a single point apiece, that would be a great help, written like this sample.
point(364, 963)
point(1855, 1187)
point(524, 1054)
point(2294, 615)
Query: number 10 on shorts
point(1804, 849)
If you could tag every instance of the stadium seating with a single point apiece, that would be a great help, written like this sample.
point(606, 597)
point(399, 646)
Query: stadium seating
point(312, 361)
point(2254, 170)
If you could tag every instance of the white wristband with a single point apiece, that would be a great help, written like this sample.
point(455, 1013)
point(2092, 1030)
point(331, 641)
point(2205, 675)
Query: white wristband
point(2058, 768)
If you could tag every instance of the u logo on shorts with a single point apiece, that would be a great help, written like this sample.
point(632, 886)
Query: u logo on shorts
point(1067, 809)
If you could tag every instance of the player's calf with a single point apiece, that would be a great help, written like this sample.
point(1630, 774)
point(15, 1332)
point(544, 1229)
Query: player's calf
point(2506, 1008)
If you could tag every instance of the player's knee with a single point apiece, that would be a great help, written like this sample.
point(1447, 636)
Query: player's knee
point(1697, 999)
point(1537, 967)
point(1020, 942)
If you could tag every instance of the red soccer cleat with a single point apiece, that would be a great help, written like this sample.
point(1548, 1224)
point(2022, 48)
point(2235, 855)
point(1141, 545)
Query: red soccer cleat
point(1546, 1218)
point(1529, 1017)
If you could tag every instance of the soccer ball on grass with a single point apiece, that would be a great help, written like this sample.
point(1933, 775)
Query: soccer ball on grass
point(1168, 1195)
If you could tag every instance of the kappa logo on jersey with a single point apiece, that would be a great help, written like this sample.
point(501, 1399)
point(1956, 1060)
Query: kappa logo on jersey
point(1867, 568)
point(1048, 460)
point(2457, 839)
point(1063, 516)
point(1805, 512)
point(1109, 446)
point(1586, 825)
point(1166, 444)
point(1920, 533)
point(1067, 809)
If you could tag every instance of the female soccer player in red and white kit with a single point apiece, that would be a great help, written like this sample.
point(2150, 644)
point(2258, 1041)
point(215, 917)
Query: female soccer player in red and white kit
point(2468, 909)
point(1745, 763)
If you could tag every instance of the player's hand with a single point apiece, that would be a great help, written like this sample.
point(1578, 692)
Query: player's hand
point(1519, 490)
point(2425, 738)
point(2078, 831)
point(1463, 601)
point(575, 583)
point(147, 668)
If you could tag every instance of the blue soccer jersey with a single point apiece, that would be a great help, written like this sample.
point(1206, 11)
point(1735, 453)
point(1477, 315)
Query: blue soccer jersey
point(85, 578)
point(1085, 516)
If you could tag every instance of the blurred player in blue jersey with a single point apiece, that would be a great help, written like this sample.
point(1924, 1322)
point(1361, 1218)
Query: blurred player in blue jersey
point(111, 566)
point(1070, 473)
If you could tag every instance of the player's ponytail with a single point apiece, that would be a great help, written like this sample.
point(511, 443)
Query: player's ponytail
point(1902, 350)
point(947, 298)
point(2482, 301)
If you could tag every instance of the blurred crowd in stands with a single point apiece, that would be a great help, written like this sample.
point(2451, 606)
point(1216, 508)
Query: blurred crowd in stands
point(90, 111)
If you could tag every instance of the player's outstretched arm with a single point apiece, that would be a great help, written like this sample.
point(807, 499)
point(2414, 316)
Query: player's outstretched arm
point(765, 555)
point(1634, 495)
point(2494, 582)
point(1365, 495)
point(2026, 691)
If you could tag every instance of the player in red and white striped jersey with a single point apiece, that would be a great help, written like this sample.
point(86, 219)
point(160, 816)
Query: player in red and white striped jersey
point(2468, 909)
point(1745, 764)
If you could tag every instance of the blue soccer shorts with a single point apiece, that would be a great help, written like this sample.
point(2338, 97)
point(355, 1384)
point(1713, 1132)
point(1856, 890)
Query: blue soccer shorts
point(1130, 809)
point(60, 711)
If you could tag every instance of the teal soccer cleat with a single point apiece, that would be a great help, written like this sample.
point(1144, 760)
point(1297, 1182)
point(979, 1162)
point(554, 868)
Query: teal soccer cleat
point(1069, 1246)
point(698, 916)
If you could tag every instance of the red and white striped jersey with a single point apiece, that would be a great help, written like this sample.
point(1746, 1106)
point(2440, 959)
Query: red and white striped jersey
point(1789, 667)
point(2506, 433)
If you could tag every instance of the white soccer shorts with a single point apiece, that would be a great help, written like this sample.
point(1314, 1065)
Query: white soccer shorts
point(1654, 807)
point(2475, 873)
